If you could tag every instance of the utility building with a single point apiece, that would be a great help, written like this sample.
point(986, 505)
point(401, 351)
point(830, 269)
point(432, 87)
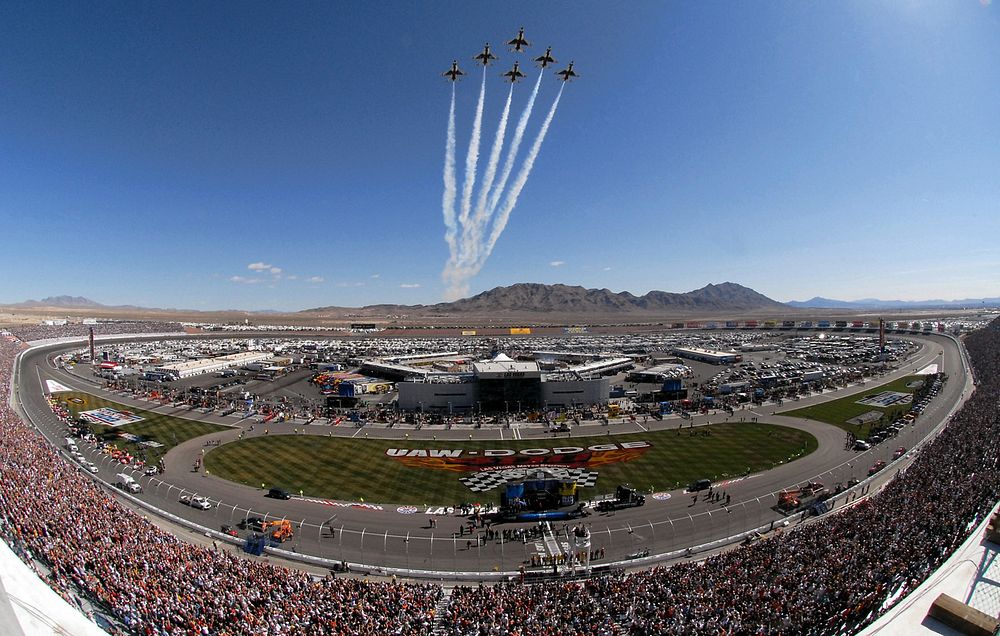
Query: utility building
point(501, 385)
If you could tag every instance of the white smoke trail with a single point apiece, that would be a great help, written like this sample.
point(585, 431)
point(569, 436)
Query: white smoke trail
point(472, 158)
point(472, 235)
point(515, 144)
point(450, 189)
point(515, 190)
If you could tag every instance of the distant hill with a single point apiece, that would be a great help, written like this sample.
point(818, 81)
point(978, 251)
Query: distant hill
point(875, 303)
point(70, 302)
point(566, 299)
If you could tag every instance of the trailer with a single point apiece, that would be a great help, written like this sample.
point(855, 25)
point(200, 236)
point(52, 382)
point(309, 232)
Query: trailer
point(795, 499)
point(625, 497)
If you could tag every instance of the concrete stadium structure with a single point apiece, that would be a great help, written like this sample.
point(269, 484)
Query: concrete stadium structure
point(501, 385)
point(665, 539)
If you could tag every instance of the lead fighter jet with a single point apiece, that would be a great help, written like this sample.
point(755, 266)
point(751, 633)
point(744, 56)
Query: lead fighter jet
point(485, 57)
point(546, 59)
point(567, 73)
point(453, 72)
point(513, 75)
point(519, 42)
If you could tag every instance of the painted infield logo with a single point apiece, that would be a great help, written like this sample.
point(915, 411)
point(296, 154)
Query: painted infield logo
point(463, 461)
point(110, 417)
point(493, 467)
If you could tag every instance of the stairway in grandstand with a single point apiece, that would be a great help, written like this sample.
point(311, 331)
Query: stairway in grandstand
point(439, 626)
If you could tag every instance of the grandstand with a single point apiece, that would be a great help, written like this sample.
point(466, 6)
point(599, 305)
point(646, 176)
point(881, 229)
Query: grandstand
point(833, 576)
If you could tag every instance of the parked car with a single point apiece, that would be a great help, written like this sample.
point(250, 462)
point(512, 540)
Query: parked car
point(701, 484)
point(877, 466)
point(251, 523)
point(195, 502)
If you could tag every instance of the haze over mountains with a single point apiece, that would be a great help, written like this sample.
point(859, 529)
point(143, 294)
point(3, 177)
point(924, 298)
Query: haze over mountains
point(535, 298)
point(69, 302)
point(819, 302)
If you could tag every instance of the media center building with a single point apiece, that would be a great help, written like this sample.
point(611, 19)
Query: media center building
point(501, 385)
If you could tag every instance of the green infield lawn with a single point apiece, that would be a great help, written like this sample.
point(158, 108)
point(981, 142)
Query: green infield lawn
point(355, 469)
point(167, 430)
point(837, 412)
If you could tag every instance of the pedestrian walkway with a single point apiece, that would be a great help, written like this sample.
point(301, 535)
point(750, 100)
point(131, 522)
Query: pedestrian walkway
point(439, 609)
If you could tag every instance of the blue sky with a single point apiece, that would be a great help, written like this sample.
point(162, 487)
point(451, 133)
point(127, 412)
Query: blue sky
point(286, 156)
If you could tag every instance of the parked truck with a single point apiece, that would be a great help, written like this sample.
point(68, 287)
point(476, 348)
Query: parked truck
point(798, 498)
point(127, 482)
point(625, 497)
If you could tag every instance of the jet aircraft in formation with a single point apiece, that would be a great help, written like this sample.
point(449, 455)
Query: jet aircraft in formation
point(546, 58)
point(513, 75)
point(454, 72)
point(485, 57)
point(519, 42)
point(567, 73)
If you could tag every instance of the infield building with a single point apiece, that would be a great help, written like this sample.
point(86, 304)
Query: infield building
point(501, 384)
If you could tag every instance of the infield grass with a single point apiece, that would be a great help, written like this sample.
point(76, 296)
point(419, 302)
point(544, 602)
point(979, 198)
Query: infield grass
point(355, 469)
point(167, 430)
point(837, 412)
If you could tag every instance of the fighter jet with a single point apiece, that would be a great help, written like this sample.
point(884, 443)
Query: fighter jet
point(513, 75)
point(454, 72)
point(485, 57)
point(546, 59)
point(519, 42)
point(567, 73)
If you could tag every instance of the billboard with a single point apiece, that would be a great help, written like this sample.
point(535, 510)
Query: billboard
point(520, 331)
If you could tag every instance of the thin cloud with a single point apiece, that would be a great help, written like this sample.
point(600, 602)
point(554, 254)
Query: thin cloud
point(315, 279)
point(410, 285)
point(259, 266)
point(557, 263)
point(276, 270)
point(607, 269)
point(244, 280)
point(376, 275)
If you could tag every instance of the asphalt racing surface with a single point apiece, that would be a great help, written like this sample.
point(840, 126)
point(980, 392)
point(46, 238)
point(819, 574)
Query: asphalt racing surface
point(401, 537)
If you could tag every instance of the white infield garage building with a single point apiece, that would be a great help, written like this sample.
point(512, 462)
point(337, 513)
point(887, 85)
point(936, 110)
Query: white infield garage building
point(501, 385)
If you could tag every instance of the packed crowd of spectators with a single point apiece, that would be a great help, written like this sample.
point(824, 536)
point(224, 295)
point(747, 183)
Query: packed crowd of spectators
point(828, 577)
point(30, 333)
point(152, 582)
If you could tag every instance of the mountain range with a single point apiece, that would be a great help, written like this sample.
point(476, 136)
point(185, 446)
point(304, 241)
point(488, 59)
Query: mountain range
point(535, 298)
point(566, 299)
point(70, 302)
point(819, 302)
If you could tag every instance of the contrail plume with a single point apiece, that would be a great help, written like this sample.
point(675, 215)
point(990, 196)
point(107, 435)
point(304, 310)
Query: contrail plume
point(515, 190)
point(473, 234)
point(515, 144)
point(450, 189)
point(472, 158)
